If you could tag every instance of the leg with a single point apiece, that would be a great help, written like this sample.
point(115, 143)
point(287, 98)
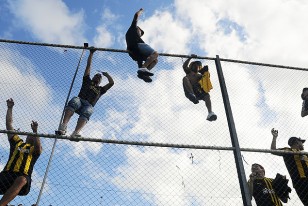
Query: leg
point(211, 116)
point(150, 59)
point(152, 65)
point(67, 116)
point(13, 191)
point(73, 105)
point(80, 124)
point(85, 113)
point(208, 103)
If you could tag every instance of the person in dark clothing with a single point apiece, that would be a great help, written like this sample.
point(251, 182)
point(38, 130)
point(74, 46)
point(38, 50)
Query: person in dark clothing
point(83, 104)
point(296, 164)
point(305, 102)
point(139, 51)
point(15, 179)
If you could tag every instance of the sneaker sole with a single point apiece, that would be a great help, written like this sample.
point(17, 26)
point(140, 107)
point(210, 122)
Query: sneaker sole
point(146, 73)
point(212, 118)
point(144, 78)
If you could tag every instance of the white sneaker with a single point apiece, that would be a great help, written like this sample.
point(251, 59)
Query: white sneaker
point(144, 71)
point(61, 129)
point(211, 116)
point(75, 137)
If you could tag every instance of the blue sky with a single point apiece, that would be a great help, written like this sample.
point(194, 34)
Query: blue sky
point(38, 79)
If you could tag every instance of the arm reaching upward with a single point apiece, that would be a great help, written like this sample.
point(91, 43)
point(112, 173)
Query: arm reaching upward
point(275, 135)
point(89, 62)
point(110, 81)
point(36, 140)
point(9, 116)
point(137, 14)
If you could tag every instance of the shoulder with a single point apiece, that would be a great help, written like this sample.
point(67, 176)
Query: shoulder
point(15, 139)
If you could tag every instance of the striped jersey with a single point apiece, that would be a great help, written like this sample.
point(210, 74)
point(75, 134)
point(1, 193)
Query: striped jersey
point(296, 164)
point(22, 156)
point(264, 194)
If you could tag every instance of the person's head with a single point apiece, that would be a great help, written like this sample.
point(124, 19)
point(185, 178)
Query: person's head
point(140, 31)
point(305, 93)
point(296, 143)
point(195, 66)
point(258, 170)
point(97, 78)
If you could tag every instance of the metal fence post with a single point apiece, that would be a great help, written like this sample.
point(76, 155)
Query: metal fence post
point(233, 135)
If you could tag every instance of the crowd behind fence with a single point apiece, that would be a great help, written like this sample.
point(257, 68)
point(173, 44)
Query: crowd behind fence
point(147, 144)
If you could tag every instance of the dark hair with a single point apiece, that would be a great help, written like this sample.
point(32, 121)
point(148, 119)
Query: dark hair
point(193, 65)
point(259, 166)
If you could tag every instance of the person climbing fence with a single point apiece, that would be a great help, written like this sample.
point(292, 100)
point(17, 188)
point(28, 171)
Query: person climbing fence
point(296, 164)
point(139, 51)
point(15, 179)
point(88, 96)
point(305, 102)
point(197, 85)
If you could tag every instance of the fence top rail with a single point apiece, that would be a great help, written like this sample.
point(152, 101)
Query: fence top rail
point(149, 144)
point(161, 54)
point(111, 141)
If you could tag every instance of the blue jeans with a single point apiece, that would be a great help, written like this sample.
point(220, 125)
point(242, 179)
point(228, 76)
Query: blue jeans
point(81, 107)
point(145, 50)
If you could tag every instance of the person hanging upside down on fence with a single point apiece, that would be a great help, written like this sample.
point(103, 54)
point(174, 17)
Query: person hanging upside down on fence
point(84, 103)
point(197, 85)
point(15, 179)
point(140, 51)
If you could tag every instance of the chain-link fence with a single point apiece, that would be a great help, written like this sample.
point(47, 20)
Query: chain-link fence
point(181, 159)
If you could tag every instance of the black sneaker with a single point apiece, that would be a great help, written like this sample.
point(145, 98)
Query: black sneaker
point(145, 78)
point(144, 71)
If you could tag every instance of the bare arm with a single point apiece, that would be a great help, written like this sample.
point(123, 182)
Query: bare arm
point(275, 135)
point(9, 116)
point(137, 14)
point(185, 64)
point(89, 62)
point(36, 140)
point(110, 81)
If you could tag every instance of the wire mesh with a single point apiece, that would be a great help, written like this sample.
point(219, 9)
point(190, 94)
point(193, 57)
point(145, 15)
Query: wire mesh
point(88, 173)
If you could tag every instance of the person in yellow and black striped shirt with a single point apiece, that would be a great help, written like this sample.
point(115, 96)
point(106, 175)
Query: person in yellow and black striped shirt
point(261, 187)
point(15, 179)
point(297, 165)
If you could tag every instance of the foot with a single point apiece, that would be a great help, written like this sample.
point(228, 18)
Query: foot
point(61, 130)
point(75, 137)
point(211, 116)
point(145, 78)
point(144, 71)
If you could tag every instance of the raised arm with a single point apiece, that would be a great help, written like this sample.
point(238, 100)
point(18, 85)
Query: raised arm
point(110, 81)
point(89, 62)
point(185, 64)
point(36, 140)
point(275, 135)
point(136, 16)
point(9, 116)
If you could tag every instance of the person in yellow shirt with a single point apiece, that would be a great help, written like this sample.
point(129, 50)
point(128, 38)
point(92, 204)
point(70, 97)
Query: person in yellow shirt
point(15, 179)
point(197, 85)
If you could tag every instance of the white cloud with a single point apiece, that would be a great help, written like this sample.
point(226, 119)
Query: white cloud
point(104, 37)
point(49, 20)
